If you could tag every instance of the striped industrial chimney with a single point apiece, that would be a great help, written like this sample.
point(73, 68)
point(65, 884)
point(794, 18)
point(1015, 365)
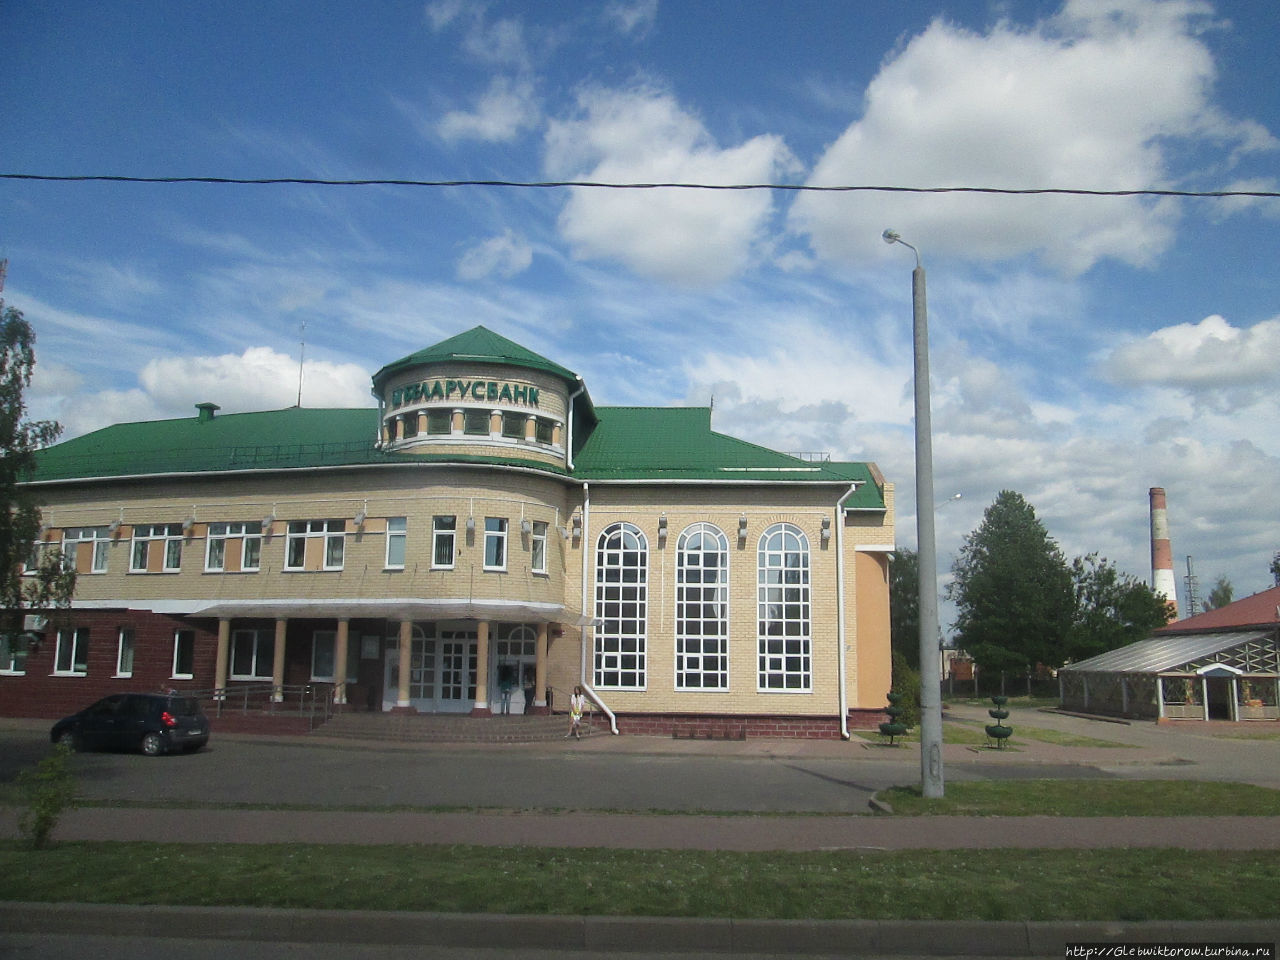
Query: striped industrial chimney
point(1162, 581)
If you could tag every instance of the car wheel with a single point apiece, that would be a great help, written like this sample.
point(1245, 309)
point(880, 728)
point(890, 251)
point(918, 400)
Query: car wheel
point(152, 744)
point(69, 739)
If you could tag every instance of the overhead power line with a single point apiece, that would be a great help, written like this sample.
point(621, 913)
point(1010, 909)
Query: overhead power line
point(552, 184)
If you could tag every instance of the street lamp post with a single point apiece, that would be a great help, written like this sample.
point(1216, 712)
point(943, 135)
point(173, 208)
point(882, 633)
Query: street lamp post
point(931, 781)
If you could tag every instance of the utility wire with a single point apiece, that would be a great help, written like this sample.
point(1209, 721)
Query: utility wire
point(552, 184)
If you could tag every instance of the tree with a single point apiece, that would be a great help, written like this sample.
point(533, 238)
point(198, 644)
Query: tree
point(904, 606)
point(1012, 589)
point(1275, 569)
point(1112, 609)
point(1220, 595)
point(49, 585)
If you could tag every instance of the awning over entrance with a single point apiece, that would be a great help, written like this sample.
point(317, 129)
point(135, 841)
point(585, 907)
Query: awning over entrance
point(399, 609)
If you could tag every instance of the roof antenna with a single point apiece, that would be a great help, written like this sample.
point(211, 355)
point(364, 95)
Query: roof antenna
point(302, 352)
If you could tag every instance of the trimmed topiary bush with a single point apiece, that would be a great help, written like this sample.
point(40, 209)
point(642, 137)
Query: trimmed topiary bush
point(999, 731)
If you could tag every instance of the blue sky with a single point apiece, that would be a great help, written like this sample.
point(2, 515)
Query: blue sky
point(1084, 349)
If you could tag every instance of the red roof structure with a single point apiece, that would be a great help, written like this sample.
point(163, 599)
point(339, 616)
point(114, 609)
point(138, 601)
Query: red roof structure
point(1260, 610)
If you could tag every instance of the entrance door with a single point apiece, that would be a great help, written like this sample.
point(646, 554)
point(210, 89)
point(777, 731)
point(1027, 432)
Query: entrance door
point(515, 660)
point(457, 671)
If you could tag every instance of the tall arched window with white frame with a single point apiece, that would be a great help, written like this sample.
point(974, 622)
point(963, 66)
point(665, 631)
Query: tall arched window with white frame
point(785, 649)
point(702, 609)
point(622, 578)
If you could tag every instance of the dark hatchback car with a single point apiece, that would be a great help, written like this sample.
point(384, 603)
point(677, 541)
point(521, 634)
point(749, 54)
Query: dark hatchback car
point(154, 723)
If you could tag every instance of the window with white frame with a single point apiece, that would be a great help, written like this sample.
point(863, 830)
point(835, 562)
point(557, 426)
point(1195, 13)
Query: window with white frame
point(97, 542)
point(252, 654)
point(785, 656)
point(223, 540)
point(184, 654)
point(71, 658)
point(513, 425)
point(443, 540)
point(13, 653)
point(124, 652)
point(702, 609)
point(397, 541)
point(622, 575)
point(495, 543)
point(329, 537)
point(156, 546)
point(538, 547)
point(476, 423)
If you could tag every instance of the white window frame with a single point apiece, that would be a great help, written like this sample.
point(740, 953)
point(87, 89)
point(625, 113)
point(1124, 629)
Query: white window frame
point(538, 547)
point(100, 537)
point(145, 534)
point(261, 639)
point(702, 610)
point(178, 636)
point(12, 662)
point(78, 640)
point(622, 608)
point(247, 532)
point(126, 649)
point(333, 533)
point(440, 533)
point(784, 612)
point(397, 534)
point(495, 531)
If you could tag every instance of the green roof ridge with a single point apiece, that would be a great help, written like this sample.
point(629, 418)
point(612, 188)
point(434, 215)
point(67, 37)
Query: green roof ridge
point(478, 345)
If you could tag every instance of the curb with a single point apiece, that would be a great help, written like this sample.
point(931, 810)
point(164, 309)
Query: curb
point(605, 933)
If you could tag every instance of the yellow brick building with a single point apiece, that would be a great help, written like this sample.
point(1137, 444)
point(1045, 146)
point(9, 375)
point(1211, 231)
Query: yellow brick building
point(483, 541)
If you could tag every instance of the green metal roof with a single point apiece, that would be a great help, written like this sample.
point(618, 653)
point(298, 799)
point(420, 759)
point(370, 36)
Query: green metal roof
point(677, 443)
point(653, 444)
point(477, 345)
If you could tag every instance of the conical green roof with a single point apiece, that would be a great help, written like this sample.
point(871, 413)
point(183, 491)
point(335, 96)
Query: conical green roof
point(477, 345)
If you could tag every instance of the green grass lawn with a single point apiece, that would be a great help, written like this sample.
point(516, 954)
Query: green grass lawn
point(1114, 884)
point(1089, 798)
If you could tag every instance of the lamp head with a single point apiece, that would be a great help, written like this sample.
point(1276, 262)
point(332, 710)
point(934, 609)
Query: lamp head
point(891, 236)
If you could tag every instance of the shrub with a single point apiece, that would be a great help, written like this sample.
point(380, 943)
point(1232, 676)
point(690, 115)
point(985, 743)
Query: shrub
point(48, 789)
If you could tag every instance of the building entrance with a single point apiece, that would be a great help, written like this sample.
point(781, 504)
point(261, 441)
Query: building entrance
point(442, 670)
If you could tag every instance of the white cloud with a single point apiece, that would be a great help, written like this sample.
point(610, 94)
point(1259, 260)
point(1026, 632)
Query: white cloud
point(501, 112)
point(632, 19)
point(693, 238)
point(258, 379)
point(1219, 366)
point(506, 255)
point(1088, 99)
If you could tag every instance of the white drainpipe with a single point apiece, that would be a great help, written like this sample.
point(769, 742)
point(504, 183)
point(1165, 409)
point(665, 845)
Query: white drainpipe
point(568, 431)
point(840, 628)
point(586, 569)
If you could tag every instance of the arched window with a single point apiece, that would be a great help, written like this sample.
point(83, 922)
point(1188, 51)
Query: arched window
point(785, 656)
point(702, 609)
point(622, 576)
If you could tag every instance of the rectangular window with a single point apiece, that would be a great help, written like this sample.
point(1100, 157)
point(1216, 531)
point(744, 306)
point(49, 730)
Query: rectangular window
point(545, 430)
point(71, 659)
point(410, 428)
point(252, 654)
point(476, 423)
point(443, 536)
point(157, 548)
point(538, 547)
point(229, 544)
point(495, 543)
point(329, 537)
point(324, 646)
point(439, 423)
point(513, 425)
point(184, 654)
point(13, 653)
point(124, 653)
point(397, 538)
point(84, 549)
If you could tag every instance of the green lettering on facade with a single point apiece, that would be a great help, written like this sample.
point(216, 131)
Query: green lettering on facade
point(493, 391)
